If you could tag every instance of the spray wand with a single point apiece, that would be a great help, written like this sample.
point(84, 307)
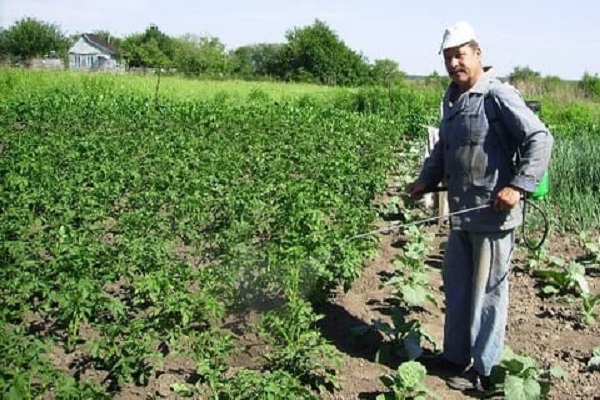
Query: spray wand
point(530, 245)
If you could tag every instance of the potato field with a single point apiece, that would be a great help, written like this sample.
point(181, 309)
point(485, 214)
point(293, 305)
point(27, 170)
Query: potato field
point(174, 238)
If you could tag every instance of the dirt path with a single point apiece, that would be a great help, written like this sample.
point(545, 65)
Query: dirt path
point(365, 302)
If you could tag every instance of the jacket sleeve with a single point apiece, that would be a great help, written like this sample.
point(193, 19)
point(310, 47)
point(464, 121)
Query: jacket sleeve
point(527, 132)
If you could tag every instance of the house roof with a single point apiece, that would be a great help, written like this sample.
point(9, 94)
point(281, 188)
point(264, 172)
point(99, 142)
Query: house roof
point(99, 41)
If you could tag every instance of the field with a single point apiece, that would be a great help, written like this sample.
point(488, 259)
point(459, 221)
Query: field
point(172, 238)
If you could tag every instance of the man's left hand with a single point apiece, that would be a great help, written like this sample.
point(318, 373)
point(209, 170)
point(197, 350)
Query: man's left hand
point(507, 199)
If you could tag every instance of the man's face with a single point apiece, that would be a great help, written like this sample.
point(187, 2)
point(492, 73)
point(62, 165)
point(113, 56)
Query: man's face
point(463, 65)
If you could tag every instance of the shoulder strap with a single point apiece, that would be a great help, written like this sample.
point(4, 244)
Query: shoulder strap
point(496, 125)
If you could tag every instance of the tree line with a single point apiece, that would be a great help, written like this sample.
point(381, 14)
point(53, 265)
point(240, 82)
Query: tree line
point(311, 54)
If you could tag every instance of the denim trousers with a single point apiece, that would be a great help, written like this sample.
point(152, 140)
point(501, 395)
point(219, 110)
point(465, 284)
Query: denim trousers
point(475, 275)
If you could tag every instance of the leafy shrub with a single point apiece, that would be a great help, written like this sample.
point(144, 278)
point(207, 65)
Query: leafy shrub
point(590, 85)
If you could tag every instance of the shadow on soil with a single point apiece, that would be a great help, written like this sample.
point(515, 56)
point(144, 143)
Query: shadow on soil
point(356, 338)
point(347, 333)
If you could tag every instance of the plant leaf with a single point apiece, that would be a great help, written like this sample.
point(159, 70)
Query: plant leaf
point(594, 363)
point(548, 289)
point(414, 295)
point(582, 283)
point(411, 374)
point(182, 389)
point(412, 344)
point(516, 388)
point(558, 372)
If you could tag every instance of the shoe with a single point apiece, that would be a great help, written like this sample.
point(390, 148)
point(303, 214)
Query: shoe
point(485, 384)
point(437, 362)
point(464, 381)
point(471, 381)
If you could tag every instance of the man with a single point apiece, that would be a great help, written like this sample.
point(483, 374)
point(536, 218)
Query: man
point(484, 122)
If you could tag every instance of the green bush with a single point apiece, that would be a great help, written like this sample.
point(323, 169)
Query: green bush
point(590, 85)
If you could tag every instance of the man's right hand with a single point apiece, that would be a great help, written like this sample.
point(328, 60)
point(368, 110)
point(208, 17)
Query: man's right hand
point(416, 190)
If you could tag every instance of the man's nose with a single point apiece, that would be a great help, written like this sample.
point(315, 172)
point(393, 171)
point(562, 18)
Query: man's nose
point(453, 62)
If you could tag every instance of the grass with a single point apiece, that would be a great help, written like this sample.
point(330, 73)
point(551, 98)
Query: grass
point(575, 182)
point(172, 86)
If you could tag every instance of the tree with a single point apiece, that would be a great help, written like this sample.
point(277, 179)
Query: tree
point(29, 38)
point(201, 55)
point(258, 60)
point(316, 54)
point(241, 60)
point(523, 74)
point(152, 48)
point(590, 85)
point(386, 72)
point(3, 44)
point(151, 55)
point(438, 81)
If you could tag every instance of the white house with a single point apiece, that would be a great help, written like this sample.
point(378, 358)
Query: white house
point(93, 53)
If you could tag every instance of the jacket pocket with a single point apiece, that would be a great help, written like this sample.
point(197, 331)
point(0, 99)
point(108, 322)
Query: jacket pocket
point(482, 168)
point(483, 172)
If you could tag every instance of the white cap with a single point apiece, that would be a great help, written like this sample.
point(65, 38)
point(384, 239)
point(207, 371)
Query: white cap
point(458, 34)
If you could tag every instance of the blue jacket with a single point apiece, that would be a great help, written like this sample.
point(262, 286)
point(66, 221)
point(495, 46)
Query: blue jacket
point(475, 162)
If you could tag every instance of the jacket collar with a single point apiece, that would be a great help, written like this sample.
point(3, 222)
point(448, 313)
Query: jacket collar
point(482, 86)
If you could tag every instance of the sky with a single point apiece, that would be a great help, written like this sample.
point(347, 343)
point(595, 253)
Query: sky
point(553, 37)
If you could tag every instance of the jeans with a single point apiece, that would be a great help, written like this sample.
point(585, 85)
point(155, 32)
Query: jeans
point(475, 274)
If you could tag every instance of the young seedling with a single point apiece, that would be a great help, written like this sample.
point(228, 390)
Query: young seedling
point(535, 259)
point(594, 362)
point(593, 248)
point(405, 335)
point(588, 308)
point(407, 383)
point(410, 277)
point(564, 279)
point(519, 377)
